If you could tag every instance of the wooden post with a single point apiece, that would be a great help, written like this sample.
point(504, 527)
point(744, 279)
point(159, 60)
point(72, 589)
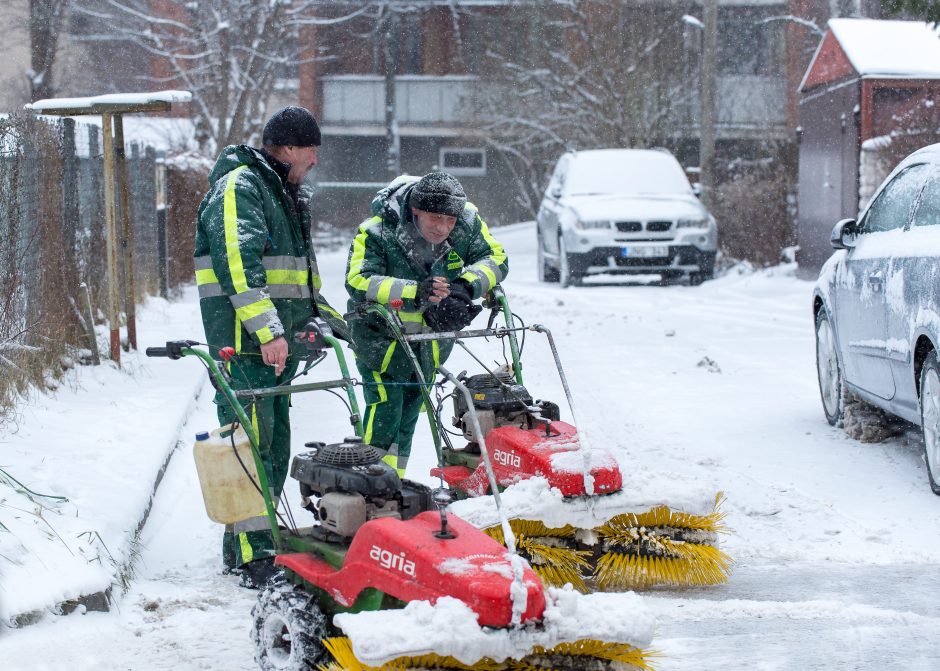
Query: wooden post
point(127, 233)
point(114, 304)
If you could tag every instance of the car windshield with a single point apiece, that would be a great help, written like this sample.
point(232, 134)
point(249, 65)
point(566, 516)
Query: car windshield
point(630, 173)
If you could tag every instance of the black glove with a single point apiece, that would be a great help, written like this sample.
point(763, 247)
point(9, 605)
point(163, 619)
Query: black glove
point(425, 291)
point(453, 312)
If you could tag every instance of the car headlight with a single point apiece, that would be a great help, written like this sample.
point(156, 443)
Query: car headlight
point(692, 223)
point(589, 225)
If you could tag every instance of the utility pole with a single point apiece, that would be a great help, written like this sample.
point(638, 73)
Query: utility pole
point(708, 116)
point(392, 138)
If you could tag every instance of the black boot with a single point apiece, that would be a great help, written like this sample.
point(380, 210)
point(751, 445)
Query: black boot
point(259, 573)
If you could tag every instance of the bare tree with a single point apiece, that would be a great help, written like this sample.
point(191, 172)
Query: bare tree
point(45, 25)
point(585, 74)
point(228, 53)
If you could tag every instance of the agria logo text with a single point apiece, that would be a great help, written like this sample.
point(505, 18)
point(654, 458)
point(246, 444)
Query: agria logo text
point(388, 559)
point(507, 458)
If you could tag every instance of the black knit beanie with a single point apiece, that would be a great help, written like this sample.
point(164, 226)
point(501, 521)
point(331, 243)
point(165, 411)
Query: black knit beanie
point(291, 127)
point(438, 192)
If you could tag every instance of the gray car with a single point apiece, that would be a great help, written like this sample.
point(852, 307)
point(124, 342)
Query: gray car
point(876, 305)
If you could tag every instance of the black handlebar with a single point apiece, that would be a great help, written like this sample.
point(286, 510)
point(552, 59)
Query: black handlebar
point(173, 350)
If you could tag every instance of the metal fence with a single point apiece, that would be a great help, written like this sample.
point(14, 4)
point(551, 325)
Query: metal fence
point(53, 246)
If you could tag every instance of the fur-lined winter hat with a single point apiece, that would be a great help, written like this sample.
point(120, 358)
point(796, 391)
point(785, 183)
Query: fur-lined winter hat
point(292, 127)
point(438, 192)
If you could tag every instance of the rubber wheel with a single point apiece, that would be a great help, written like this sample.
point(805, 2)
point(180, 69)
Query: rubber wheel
point(567, 276)
point(829, 370)
point(287, 630)
point(930, 418)
point(545, 271)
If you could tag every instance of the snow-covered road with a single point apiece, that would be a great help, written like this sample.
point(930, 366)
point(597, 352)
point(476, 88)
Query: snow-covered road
point(837, 543)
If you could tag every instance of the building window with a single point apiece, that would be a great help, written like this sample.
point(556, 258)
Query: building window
point(461, 161)
point(747, 45)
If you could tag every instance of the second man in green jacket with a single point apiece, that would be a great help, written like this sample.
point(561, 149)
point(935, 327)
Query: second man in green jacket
point(429, 247)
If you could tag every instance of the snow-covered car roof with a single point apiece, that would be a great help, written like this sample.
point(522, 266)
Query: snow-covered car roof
point(889, 48)
point(625, 171)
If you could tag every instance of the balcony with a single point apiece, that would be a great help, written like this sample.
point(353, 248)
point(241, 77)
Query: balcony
point(357, 103)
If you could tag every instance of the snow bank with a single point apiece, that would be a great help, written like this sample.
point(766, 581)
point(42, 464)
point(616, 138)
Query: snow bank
point(99, 442)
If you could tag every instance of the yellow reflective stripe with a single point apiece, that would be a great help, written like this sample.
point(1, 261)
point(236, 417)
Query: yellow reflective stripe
point(388, 355)
point(356, 261)
point(247, 553)
point(411, 316)
point(436, 349)
point(490, 275)
point(264, 335)
point(246, 312)
point(317, 282)
point(367, 436)
point(254, 424)
point(323, 307)
point(286, 276)
point(385, 288)
point(392, 460)
point(236, 268)
point(206, 277)
point(499, 254)
point(383, 395)
point(238, 334)
point(410, 291)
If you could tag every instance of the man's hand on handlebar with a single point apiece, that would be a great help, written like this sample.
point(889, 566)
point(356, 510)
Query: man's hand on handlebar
point(274, 353)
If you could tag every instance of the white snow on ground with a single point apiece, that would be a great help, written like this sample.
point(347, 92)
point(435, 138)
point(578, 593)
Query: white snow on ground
point(695, 389)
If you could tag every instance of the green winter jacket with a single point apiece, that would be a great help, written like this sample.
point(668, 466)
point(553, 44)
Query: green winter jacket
point(383, 266)
point(255, 267)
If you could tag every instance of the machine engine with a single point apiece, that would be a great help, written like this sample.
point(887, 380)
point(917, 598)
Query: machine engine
point(347, 484)
point(499, 401)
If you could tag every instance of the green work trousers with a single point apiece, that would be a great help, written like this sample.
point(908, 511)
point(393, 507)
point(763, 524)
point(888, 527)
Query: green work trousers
point(392, 410)
point(251, 539)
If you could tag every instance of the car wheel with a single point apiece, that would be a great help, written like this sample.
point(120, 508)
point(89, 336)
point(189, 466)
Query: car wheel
point(288, 629)
point(828, 369)
point(696, 279)
point(545, 271)
point(930, 418)
point(567, 276)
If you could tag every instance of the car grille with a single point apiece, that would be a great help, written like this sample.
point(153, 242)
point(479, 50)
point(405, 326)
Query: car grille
point(637, 226)
point(628, 226)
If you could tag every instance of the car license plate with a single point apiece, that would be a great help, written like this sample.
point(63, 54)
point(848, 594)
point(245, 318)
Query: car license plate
point(645, 252)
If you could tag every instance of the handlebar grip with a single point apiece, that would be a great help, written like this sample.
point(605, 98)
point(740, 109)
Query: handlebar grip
point(156, 351)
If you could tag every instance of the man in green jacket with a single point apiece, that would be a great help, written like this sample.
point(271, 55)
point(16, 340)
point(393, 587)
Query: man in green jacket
point(258, 285)
point(429, 247)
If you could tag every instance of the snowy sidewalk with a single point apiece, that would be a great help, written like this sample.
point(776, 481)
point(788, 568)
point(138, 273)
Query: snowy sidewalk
point(102, 441)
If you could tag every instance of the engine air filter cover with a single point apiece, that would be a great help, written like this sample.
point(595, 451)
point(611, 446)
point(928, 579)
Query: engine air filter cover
point(351, 466)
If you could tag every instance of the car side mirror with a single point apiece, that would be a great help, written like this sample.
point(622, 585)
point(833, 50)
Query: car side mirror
point(555, 192)
point(844, 234)
point(697, 189)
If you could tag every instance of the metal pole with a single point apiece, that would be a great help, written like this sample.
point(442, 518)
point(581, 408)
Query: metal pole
point(707, 131)
point(392, 137)
point(114, 304)
point(127, 234)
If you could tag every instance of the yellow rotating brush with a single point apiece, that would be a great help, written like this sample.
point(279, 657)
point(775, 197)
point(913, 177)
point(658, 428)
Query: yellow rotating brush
point(630, 551)
point(577, 656)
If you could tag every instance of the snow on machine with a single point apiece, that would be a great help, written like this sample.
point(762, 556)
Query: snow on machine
point(573, 517)
point(387, 578)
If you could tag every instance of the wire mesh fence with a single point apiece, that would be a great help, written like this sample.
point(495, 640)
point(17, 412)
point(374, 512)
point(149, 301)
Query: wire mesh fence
point(53, 247)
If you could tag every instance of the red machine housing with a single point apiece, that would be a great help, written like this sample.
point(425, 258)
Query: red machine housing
point(407, 561)
point(518, 454)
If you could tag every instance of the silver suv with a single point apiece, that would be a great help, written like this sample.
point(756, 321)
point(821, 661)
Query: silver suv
point(623, 211)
